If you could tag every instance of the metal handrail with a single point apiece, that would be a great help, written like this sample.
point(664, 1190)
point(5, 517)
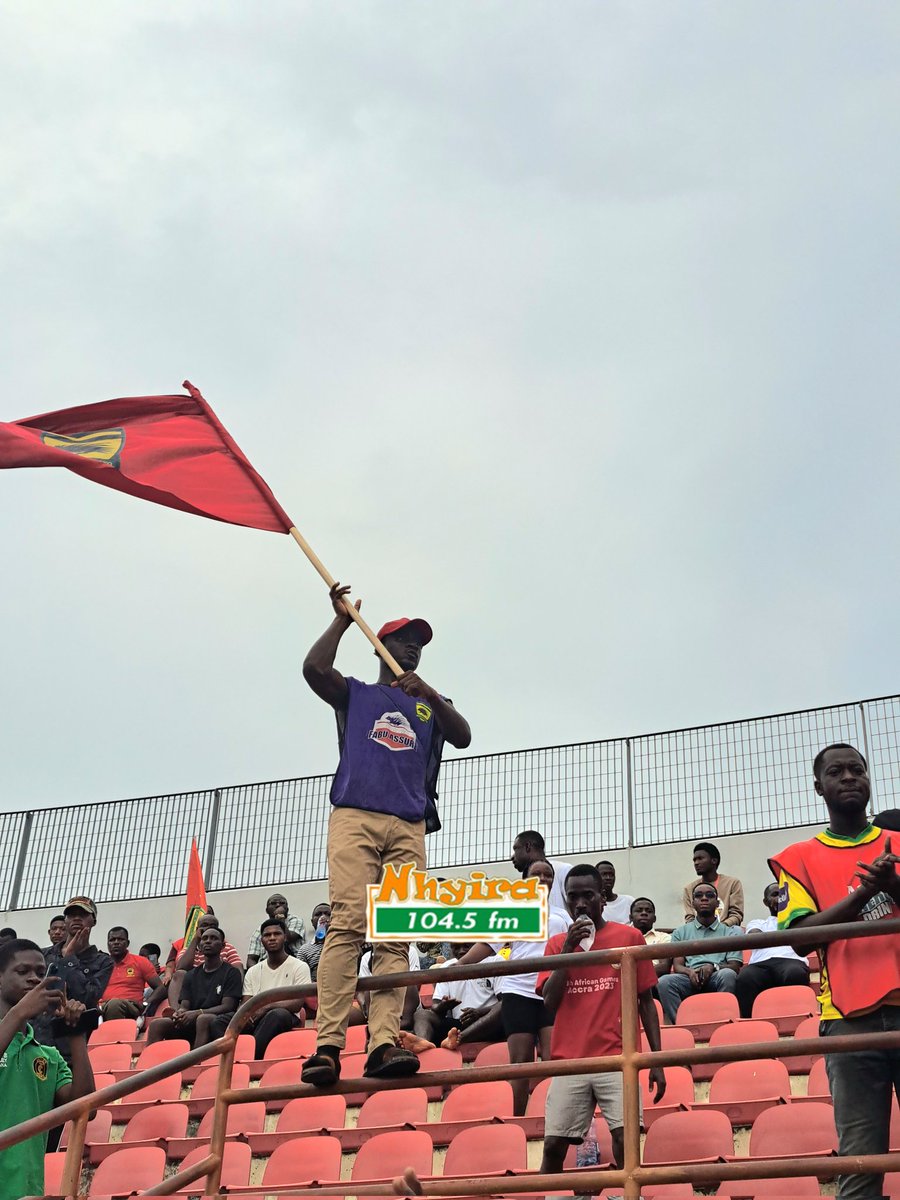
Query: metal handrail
point(630, 1062)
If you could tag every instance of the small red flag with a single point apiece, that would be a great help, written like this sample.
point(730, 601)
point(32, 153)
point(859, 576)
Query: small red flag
point(172, 450)
point(195, 896)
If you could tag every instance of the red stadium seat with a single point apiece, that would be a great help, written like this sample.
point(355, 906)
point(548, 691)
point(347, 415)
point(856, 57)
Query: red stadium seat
point(537, 1101)
point(894, 1131)
point(426, 991)
point(440, 1059)
point(393, 1109)
point(160, 1052)
point(479, 1102)
point(164, 1089)
point(742, 1090)
point(679, 1094)
point(235, 1167)
point(802, 1064)
point(97, 1131)
point(794, 1130)
point(786, 1007)
point(705, 1011)
point(487, 1150)
point(133, 1169)
point(818, 1081)
point(285, 1070)
point(157, 1121)
point(53, 1172)
point(671, 1037)
point(891, 1185)
point(736, 1033)
point(492, 1055)
point(205, 1084)
point(110, 1056)
point(355, 1039)
point(122, 1029)
point(389, 1154)
point(776, 1189)
point(689, 1137)
point(296, 1043)
point(245, 1048)
point(307, 1114)
point(303, 1160)
point(242, 1119)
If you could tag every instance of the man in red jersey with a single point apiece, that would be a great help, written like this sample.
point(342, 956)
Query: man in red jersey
point(849, 873)
point(587, 1005)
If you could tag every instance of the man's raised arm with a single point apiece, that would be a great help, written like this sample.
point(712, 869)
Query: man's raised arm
point(318, 666)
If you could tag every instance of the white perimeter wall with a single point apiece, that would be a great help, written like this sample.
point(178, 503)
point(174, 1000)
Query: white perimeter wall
point(659, 872)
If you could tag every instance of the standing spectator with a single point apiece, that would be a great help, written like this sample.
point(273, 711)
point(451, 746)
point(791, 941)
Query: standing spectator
point(616, 908)
point(312, 951)
point(643, 918)
point(715, 971)
point(587, 1009)
point(391, 735)
point(730, 890)
point(207, 992)
point(849, 873)
point(770, 966)
point(56, 933)
point(131, 974)
point(81, 968)
point(277, 906)
point(526, 1020)
point(528, 848)
point(278, 969)
point(33, 1078)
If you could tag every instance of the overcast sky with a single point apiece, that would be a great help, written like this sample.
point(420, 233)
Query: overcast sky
point(569, 326)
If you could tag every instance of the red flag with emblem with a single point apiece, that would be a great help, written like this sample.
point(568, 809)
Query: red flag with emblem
point(172, 450)
point(195, 896)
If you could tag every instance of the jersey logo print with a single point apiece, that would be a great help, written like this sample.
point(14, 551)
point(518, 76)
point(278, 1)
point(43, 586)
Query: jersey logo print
point(393, 731)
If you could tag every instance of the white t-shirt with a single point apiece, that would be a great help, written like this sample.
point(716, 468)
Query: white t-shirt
point(523, 985)
point(365, 966)
point(558, 891)
point(261, 977)
point(471, 993)
point(770, 925)
point(619, 910)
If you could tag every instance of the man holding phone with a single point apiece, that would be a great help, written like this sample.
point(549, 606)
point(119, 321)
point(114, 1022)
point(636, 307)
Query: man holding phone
point(83, 971)
point(33, 1077)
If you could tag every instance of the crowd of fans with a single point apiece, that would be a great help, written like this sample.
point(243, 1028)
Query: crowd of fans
point(556, 1013)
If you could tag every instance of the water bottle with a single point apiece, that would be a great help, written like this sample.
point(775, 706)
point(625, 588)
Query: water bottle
point(321, 929)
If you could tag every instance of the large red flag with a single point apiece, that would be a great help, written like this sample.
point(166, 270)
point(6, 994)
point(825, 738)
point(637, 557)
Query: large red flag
point(195, 896)
point(172, 450)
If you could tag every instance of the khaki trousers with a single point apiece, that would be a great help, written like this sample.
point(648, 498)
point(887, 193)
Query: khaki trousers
point(359, 845)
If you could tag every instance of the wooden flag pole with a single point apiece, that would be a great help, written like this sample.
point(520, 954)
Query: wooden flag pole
point(348, 605)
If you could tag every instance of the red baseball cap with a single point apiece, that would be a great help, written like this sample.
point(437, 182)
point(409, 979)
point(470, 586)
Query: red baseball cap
point(423, 629)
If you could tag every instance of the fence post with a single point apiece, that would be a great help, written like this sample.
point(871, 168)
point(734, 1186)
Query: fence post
point(20, 862)
point(629, 792)
point(211, 839)
point(865, 733)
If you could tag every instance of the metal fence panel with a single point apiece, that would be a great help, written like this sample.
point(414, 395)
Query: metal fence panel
point(738, 777)
point(882, 718)
point(11, 825)
point(133, 849)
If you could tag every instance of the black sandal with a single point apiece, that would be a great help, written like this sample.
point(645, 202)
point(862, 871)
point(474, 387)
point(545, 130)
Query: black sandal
point(400, 1064)
point(322, 1069)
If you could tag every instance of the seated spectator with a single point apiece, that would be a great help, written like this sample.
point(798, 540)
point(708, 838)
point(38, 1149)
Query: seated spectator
point(410, 1000)
point(277, 906)
point(643, 918)
point(616, 908)
point(33, 1077)
point(152, 952)
point(888, 818)
point(56, 933)
point(312, 951)
point(526, 1021)
point(528, 848)
point(8, 935)
point(770, 966)
point(459, 1004)
point(124, 995)
point(182, 958)
point(80, 967)
point(710, 972)
point(207, 992)
point(431, 955)
point(278, 969)
point(730, 890)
